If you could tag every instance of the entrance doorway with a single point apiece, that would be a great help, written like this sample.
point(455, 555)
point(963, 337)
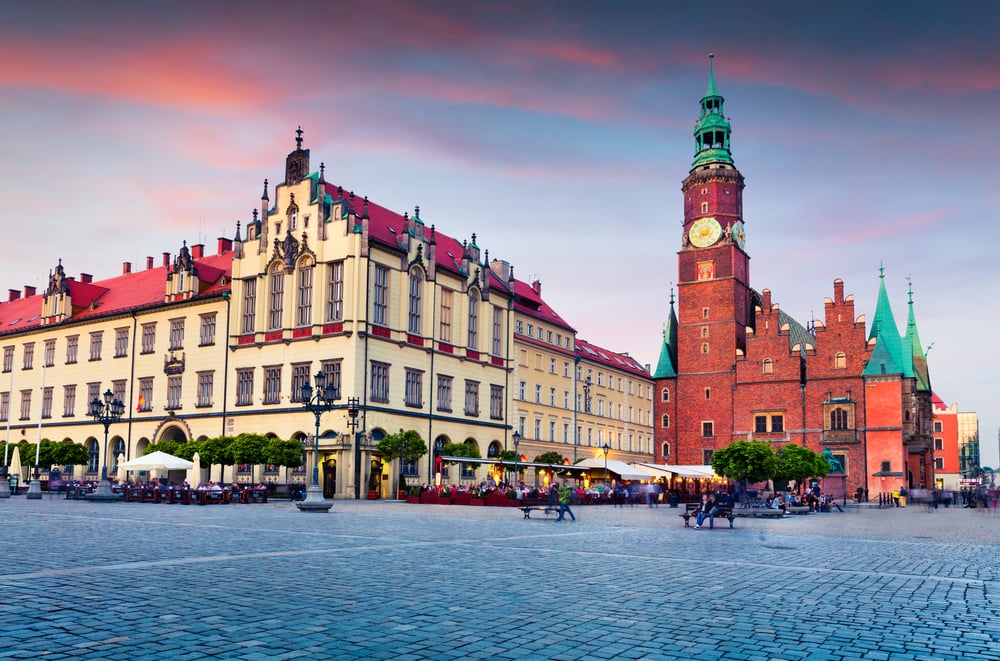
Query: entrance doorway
point(329, 478)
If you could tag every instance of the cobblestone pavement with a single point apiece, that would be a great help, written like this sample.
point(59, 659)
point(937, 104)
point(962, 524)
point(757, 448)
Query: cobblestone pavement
point(387, 580)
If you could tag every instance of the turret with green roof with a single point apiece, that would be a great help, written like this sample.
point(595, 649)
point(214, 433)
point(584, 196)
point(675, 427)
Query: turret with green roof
point(666, 367)
point(918, 357)
point(887, 357)
point(711, 132)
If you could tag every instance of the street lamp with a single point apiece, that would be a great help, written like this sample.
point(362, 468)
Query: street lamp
point(352, 422)
point(606, 448)
point(105, 412)
point(317, 400)
point(586, 395)
point(517, 441)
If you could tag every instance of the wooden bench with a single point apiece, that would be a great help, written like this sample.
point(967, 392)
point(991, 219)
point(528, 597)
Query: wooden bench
point(691, 510)
point(538, 505)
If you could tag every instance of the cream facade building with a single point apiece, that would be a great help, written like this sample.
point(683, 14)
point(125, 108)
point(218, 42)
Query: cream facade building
point(415, 330)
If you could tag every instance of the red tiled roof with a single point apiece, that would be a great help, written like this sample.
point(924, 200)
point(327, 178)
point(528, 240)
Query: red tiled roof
point(129, 291)
point(593, 353)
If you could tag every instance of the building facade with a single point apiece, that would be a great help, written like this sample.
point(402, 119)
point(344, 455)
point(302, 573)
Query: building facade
point(733, 365)
point(413, 329)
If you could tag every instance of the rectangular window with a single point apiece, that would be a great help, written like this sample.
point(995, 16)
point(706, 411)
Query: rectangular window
point(707, 429)
point(249, 305)
point(760, 424)
point(121, 342)
point(4, 406)
point(552, 365)
point(496, 402)
point(522, 389)
point(29, 355)
point(303, 313)
point(206, 383)
point(96, 342)
point(538, 393)
point(8, 359)
point(938, 463)
point(777, 423)
point(331, 369)
point(118, 389)
point(50, 353)
point(206, 334)
point(176, 338)
point(538, 429)
point(272, 385)
point(471, 397)
point(380, 382)
point(300, 376)
point(145, 394)
point(173, 393)
point(380, 300)
point(447, 302)
point(444, 393)
point(552, 396)
point(414, 388)
point(939, 444)
point(886, 466)
point(552, 431)
point(276, 303)
point(244, 387)
point(47, 402)
point(72, 344)
point(498, 332)
point(25, 404)
point(937, 427)
point(335, 299)
point(69, 401)
point(706, 457)
point(148, 338)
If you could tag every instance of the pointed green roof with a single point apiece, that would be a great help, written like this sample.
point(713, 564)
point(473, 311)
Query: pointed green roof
point(918, 357)
point(884, 328)
point(711, 131)
point(666, 367)
point(882, 361)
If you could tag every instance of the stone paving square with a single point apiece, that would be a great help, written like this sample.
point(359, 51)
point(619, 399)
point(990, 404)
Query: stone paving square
point(388, 580)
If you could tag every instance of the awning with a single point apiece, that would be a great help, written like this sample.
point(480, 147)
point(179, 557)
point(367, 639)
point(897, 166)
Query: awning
point(682, 471)
point(508, 464)
point(653, 469)
point(619, 468)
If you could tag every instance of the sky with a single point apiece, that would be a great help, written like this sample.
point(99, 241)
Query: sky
point(558, 132)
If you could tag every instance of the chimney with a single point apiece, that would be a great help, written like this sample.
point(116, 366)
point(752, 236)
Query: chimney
point(29, 291)
point(86, 278)
point(537, 286)
point(149, 263)
point(198, 251)
point(126, 268)
point(166, 259)
point(13, 294)
point(225, 245)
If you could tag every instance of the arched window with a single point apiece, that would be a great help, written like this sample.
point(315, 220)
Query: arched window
point(666, 450)
point(93, 455)
point(118, 452)
point(473, 319)
point(840, 361)
point(768, 366)
point(416, 289)
point(303, 315)
point(665, 395)
point(665, 422)
point(276, 301)
point(838, 419)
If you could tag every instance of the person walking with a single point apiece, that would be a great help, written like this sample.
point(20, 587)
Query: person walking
point(565, 493)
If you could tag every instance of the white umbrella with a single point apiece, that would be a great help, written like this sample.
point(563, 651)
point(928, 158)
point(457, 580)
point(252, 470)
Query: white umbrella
point(194, 478)
point(121, 469)
point(15, 464)
point(158, 460)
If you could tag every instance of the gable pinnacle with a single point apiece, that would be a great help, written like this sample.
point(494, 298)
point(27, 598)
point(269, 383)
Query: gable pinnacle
point(298, 138)
point(711, 77)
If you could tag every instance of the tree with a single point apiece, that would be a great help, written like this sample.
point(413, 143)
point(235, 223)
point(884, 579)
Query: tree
point(799, 463)
point(405, 445)
point(551, 457)
point(465, 450)
point(747, 461)
point(50, 453)
point(216, 451)
point(283, 452)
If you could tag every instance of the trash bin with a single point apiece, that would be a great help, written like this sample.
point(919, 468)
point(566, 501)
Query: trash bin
point(673, 500)
point(15, 480)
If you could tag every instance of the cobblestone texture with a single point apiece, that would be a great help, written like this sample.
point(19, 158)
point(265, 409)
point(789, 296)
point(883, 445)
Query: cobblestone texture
point(386, 580)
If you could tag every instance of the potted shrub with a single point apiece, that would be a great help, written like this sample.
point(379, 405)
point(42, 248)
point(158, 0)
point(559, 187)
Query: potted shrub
point(413, 495)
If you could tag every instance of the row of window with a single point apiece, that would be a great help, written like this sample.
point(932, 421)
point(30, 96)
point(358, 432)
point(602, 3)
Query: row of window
point(623, 414)
point(148, 338)
point(334, 309)
point(590, 440)
point(557, 338)
point(773, 423)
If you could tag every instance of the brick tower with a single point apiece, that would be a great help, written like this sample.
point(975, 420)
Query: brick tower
point(712, 286)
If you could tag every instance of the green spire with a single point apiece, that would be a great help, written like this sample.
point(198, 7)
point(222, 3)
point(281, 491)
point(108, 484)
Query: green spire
point(919, 358)
point(711, 132)
point(887, 357)
point(666, 367)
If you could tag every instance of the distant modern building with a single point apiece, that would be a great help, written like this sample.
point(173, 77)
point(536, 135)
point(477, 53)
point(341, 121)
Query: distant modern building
point(733, 365)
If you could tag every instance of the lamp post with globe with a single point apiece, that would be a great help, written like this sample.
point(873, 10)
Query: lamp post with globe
point(317, 401)
point(105, 412)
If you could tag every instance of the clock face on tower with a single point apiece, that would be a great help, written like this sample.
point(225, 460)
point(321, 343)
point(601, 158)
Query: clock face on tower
point(739, 236)
point(704, 232)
